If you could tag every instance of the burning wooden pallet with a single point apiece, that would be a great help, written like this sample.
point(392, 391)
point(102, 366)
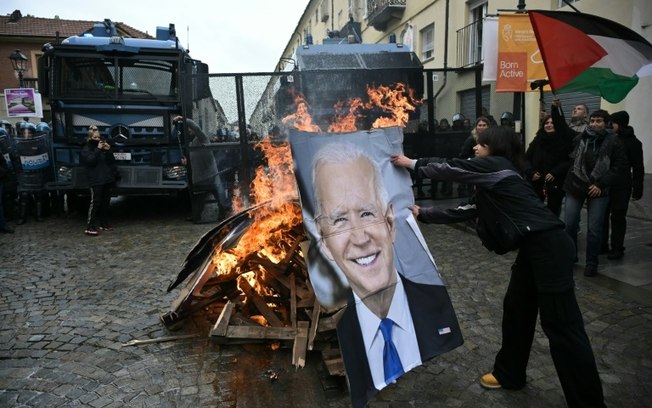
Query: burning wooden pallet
point(262, 299)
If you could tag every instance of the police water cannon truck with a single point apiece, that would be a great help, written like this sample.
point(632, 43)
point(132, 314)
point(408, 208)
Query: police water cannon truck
point(131, 89)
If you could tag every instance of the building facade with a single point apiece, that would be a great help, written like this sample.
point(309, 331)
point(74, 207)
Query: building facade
point(447, 35)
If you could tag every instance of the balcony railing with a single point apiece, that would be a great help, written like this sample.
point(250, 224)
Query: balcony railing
point(469, 44)
point(379, 12)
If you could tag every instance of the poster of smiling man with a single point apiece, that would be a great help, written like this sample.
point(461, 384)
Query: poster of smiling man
point(367, 254)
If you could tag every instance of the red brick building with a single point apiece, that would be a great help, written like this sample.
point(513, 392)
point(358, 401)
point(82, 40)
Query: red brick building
point(29, 34)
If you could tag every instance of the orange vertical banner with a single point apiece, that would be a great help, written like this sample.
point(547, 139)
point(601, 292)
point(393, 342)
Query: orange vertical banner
point(519, 60)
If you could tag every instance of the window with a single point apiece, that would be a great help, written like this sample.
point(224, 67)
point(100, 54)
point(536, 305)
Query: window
point(428, 43)
point(354, 9)
point(477, 13)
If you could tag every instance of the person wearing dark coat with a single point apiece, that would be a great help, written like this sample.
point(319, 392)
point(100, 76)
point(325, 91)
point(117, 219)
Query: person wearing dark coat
point(541, 281)
point(598, 158)
point(548, 159)
point(97, 157)
point(629, 185)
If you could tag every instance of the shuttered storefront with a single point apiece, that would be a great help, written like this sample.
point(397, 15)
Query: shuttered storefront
point(467, 102)
point(571, 99)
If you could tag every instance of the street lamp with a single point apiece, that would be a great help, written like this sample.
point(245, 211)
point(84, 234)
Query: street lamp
point(18, 61)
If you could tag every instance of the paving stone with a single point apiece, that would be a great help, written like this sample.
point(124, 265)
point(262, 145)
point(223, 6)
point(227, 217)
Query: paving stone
point(63, 329)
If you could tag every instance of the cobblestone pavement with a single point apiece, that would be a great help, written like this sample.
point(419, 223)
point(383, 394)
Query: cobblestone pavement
point(69, 302)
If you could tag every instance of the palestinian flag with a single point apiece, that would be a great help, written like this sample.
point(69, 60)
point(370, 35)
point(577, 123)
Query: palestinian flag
point(587, 53)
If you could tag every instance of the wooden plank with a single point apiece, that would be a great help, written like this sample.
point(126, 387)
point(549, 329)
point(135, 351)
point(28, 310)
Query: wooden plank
point(281, 278)
point(260, 304)
point(300, 343)
point(260, 332)
point(219, 329)
point(327, 323)
point(314, 323)
point(293, 301)
point(333, 360)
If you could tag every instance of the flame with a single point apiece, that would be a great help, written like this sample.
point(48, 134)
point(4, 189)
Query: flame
point(392, 101)
point(345, 121)
point(274, 183)
point(301, 119)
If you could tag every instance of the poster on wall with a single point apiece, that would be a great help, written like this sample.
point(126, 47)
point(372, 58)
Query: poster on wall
point(23, 103)
point(367, 254)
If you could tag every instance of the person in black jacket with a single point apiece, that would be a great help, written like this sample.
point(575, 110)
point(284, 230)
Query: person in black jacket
point(548, 159)
point(542, 274)
point(97, 157)
point(598, 158)
point(628, 185)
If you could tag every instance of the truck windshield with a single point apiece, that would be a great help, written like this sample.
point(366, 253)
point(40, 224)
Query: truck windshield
point(116, 77)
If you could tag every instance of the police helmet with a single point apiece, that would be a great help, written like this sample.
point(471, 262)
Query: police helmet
point(5, 141)
point(458, 117)
point(26, 128)
point(43, 128)
point(5, 124)
point(507, 119)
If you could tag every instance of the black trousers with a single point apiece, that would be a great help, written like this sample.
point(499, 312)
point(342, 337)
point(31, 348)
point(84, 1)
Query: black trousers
point(553, 197)
point(617, 214)
point(99, 208)
point(542, 283)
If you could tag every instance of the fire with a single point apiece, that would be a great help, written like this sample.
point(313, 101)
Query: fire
point(392, 101)
point(345, 120)
point(395, 102)
point(301, 119)
point(274, 183)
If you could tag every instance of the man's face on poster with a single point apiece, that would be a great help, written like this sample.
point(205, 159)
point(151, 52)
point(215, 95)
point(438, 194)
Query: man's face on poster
point(357, 229)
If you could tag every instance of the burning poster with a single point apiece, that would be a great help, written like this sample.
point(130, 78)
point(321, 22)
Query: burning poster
point(366, 253)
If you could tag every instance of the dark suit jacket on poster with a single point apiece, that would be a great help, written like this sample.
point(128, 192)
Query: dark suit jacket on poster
point(431, 310)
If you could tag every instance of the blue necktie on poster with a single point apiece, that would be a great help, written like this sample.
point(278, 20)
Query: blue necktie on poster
point(391, 361)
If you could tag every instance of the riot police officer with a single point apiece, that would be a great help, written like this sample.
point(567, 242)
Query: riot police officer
point(507, 119)
point(6, 177)
point(31, 161)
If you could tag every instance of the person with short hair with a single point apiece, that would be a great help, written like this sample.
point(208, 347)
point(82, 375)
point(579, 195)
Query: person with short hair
point(579, 121)
point(598, 157)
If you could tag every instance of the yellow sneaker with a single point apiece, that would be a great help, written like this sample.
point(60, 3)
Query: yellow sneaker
point(489, 381)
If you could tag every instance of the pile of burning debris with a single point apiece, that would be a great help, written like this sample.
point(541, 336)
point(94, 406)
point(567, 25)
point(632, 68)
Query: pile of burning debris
point(252, 265)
